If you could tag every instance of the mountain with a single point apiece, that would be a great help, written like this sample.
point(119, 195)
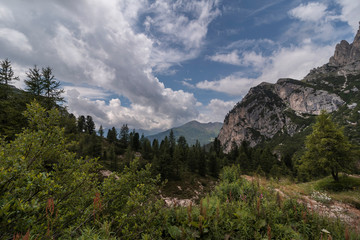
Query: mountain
point(283, 111)
point(192, 131)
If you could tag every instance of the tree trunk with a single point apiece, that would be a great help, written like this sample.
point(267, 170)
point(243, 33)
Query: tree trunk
point(335, 175)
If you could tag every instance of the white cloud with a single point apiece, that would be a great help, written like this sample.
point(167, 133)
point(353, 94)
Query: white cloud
point(293, 62)
point(115, 114)
point(6, 14)
point(17, 40)
point(188, 30)
point(101, 45)
point(313, 11)
point(312, 39)
point(247, 59)
point(230, 58)
point(234, 84)
point(350, 10)
point(86, 92)
point(215, 111)
point(180, 28)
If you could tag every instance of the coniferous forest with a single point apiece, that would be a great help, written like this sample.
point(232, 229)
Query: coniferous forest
point(63, 177)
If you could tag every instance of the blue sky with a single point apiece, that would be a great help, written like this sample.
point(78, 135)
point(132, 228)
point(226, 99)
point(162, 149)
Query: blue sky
point(156, 64)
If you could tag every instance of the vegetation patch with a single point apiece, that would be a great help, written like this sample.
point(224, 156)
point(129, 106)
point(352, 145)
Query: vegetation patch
point(345, 183)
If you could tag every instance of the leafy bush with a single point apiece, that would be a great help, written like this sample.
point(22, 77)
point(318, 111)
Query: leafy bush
point(44, 187)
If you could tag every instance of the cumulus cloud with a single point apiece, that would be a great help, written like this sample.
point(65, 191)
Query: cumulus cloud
point(215, 111)
point(113, 113)
point(101, 45)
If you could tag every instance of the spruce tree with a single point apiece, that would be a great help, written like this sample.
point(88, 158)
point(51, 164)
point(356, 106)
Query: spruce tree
point(89, 125)
point(111, 135)
point(101, 131)
point(81, 123)
point(124, 136)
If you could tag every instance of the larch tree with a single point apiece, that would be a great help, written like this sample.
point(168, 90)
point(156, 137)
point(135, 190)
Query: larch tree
point(327, 149)
point(51, 87)
point(6, 72)
point(34, 83)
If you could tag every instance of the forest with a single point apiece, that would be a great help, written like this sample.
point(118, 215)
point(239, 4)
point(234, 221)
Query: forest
point(52, 187)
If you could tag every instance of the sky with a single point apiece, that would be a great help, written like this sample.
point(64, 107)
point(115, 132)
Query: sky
point(157, 64)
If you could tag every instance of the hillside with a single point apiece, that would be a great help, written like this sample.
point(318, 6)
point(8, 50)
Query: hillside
point(192, 131)
point(281, 112)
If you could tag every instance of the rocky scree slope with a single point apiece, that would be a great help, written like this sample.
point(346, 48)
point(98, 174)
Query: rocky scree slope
point(289, 106)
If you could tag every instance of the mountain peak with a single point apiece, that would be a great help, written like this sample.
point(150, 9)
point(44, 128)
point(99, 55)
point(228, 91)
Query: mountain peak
point(286, 108)
point(346, 53)
point(192, 131)
point(346, 60)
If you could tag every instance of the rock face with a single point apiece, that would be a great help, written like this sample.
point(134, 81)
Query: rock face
point(283, 108)
point(270, 109)
point(346, 60)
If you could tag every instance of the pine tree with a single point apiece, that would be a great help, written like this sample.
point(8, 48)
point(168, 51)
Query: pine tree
point(327, 149)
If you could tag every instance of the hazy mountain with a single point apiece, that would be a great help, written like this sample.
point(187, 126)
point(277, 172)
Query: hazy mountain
point(192, 131)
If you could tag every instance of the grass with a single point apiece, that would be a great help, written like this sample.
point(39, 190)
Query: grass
point(347, 190)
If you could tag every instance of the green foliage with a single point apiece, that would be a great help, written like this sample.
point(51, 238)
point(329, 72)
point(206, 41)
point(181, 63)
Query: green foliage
point(239, 209)
point(43, 83)
point(37, 167)
point(345, 183)
point(129, 202)
point(34, 84)
point(6, 72)
point(327, 150)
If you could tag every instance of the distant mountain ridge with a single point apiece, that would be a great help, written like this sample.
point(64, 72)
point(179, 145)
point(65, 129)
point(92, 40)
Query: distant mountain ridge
point(287, 108)
point(192, 131)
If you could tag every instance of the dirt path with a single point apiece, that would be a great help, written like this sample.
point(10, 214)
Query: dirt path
point(333, 209)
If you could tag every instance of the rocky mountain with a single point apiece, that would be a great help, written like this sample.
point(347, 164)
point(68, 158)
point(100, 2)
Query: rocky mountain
point(286, 108)
point(192, 131)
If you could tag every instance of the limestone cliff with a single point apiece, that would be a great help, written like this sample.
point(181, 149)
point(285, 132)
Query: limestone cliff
point(346, 60)
point(288, 106)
